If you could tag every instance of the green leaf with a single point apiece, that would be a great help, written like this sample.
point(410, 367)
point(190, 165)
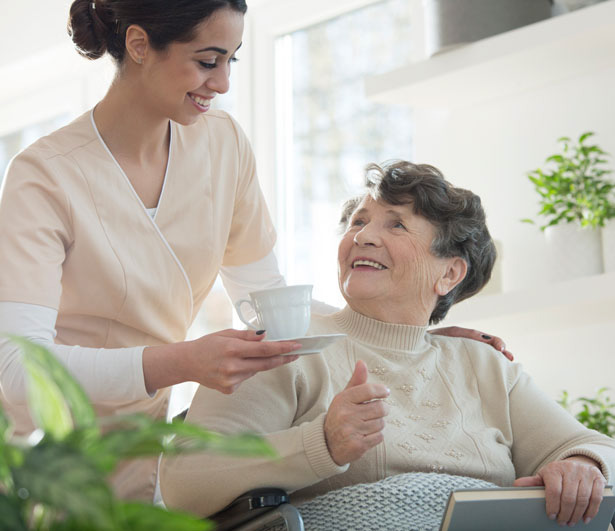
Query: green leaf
point(584, 136)
point(52, 370)
point(142, 517)
point(576, 187)
point(47, 405)
point(138, 435)
point(11, 514)
point(60, 477)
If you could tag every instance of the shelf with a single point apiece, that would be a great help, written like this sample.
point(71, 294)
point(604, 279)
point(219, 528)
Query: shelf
point(550, 51)
point(574, 303)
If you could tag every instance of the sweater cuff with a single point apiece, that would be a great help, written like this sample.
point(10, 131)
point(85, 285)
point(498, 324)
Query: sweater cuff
point(588, 452)
point(316, 450)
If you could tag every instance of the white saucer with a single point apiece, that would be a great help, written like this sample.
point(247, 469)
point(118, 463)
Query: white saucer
point(312, 344)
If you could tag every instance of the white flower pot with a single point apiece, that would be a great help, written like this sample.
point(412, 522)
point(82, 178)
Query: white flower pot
point(450, 23)
point(573, 251)
point(608, 246)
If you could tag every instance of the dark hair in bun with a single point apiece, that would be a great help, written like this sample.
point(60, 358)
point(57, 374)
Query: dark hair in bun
point(99, 26)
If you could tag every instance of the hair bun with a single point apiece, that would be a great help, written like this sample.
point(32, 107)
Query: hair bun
point(89, 27)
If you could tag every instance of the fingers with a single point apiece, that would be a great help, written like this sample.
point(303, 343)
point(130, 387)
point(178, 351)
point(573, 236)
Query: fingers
point(366, 393)
point(261, 349)
point(595, 500)
point(496, 342)
point(528, 481)
point(458, 331)
point(359, 376)
point(573, 489)
point(508, 355)
point(247, 335)
point(355, 419)
point(582, 500)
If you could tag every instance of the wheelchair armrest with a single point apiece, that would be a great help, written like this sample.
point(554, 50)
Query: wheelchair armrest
point(247, 506)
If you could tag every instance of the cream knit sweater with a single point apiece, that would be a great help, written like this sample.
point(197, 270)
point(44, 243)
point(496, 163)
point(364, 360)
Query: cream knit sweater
point(457, 407)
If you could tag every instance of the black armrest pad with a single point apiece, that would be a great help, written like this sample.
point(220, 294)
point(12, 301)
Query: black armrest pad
point(247, 506)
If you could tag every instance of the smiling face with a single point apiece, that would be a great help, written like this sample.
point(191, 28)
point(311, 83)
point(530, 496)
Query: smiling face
point(386, 268)
point(179, 82)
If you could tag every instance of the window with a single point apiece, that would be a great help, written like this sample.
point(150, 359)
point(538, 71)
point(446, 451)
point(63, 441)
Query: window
point(327, 130)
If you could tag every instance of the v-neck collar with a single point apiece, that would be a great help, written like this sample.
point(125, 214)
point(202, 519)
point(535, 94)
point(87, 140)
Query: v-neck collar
point(143, 207)
point(166, 170)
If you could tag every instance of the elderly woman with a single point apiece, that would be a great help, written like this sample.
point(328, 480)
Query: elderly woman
point(390, 398)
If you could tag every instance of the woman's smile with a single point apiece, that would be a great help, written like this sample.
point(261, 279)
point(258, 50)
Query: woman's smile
point(201, 103)
point(365, 264)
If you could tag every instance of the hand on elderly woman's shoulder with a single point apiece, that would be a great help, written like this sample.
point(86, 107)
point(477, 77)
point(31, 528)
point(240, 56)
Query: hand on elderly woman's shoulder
point(355, 419)
point(469, 333)
point(573, 488)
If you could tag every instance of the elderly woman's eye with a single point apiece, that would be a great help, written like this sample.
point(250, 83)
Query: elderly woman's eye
point(399, 225)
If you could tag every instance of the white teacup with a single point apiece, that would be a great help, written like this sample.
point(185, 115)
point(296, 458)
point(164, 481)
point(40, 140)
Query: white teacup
point(282, 312)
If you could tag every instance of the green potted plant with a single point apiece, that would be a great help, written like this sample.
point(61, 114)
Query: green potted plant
point(56, 480)
point(577, 199)
point(596, 413)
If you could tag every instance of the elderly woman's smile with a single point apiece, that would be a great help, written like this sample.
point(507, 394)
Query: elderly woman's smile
point(385, 259)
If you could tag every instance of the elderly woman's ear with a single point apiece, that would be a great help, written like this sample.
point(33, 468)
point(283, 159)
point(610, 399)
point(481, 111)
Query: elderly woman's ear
point(455, 272)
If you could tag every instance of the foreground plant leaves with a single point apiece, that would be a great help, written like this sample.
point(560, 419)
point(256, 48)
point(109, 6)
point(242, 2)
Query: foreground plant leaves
point(57, 476)
point(141, 517)
point(53, 393)
point(10, 514)
point(60, 482)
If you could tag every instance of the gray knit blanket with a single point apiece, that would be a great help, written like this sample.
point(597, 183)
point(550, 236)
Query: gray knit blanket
point(406, 502)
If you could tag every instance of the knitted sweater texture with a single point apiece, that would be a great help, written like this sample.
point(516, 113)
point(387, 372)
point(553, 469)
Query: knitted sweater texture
point(456, 407)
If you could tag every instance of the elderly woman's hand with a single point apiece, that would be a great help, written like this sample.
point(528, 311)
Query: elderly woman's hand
point(355, 418)
point(573, 488)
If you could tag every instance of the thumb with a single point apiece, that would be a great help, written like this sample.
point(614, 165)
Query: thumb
point(246, 335)
point(529, 481)
point(359, 376)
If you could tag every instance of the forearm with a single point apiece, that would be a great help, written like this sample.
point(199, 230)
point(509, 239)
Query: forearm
point(166, 365)
point(204, 483)
point(107, 375)
point(543, 432)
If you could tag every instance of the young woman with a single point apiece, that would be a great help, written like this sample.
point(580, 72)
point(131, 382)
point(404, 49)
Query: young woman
point(113, 228)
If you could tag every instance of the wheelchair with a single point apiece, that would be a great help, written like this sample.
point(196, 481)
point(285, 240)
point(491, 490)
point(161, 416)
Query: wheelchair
point(259, 510)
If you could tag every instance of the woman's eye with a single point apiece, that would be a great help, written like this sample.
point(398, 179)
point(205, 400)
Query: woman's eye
point(209, 66)
point(399, 225)
point(357, 222)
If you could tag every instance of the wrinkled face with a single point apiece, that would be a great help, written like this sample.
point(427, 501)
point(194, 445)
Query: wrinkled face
point(181, 80)
point(386, 267)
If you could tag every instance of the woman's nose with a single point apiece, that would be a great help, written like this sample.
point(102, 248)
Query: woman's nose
point(368, 235)
point(219, 80)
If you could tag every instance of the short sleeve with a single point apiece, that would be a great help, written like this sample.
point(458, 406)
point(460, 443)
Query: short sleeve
point(34, 232)
point(252, 235)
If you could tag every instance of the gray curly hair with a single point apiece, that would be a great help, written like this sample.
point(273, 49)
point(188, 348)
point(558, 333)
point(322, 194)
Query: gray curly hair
point(457, 215)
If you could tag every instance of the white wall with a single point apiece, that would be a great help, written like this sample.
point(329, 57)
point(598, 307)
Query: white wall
point(28, 27)
point(489, 148)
